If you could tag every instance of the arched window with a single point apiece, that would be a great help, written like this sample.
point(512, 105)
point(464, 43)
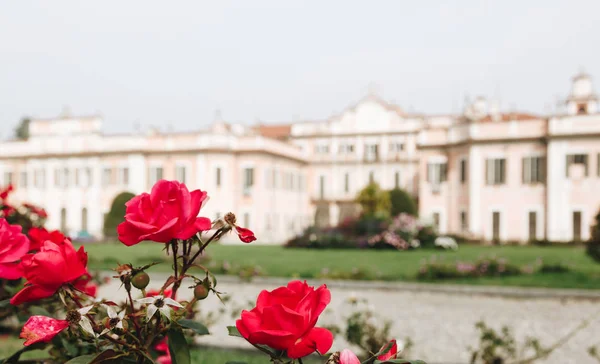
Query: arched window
point(63, 220)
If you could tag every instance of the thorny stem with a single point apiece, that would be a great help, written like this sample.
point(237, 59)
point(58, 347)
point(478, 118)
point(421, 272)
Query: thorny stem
point(187, 264)
point(134, 318)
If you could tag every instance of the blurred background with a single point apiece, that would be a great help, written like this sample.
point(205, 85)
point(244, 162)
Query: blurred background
point(450, 148)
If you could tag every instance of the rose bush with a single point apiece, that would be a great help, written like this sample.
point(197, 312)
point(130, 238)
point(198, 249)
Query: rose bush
point(153, 328)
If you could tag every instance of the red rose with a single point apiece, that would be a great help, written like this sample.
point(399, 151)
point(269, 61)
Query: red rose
point(154, 292)
point(36, 210)
point(13, 246)
point(39, 235)
point(285, 318)
point(391, 354)
point(50, 268)
point(169, 212)
point(41, 329)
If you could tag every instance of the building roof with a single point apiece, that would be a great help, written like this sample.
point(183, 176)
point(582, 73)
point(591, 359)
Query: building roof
point(512, 116)
point(280, 131)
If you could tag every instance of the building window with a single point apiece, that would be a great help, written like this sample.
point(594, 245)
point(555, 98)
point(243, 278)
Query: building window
point(436, 221)
point(534, 170)
point(347, 182)
point(577, 159)
point(39, 178)
point(155, 174)
point(576, 225)
point(123, 177)
point(274, 177)
point(89, 176)
point(246, 220)
point(371, 152)
point(464, 221)
point(322, 149)
point(8, 178)
point(268, 178)
point(301, 182)
point(532, 225)
point(106, 176)
point(61, 177)
point(581, 109)
point(267, 222)
point(23, 179)
point(346, 148)
point(396, 147)
point(218, 176)
point(496, 226)
point(322, 187)
point(437, 172)
point(84, 219)
point(495, 171)
point(397, 180)
point(248, 180)
point(463, 170)
point(180, 174)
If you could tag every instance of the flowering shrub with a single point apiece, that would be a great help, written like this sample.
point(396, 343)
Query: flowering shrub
point(402, 232)
point(153, 328)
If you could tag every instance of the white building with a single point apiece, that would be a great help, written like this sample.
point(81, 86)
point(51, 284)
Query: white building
point(491, 174)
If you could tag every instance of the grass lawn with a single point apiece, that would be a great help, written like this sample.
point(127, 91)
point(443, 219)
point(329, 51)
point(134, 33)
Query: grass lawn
point(371, 264)
point(200, 355)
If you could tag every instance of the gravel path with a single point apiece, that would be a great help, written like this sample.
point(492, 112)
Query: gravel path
point(440, 322)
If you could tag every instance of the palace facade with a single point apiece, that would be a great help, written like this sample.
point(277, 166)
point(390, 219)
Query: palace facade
point(505, 176)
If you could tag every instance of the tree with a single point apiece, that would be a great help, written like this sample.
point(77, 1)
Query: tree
point(593, 245)
point(116, 215)
point(374, 201)
point(401, 202)
point(22, 130)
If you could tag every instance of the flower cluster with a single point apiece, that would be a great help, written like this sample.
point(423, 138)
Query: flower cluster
point(283, 323)
point(401, 233)
point(27, 215)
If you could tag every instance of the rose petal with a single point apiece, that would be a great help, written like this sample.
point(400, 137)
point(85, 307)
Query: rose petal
point(41, 329)
point(317, 339)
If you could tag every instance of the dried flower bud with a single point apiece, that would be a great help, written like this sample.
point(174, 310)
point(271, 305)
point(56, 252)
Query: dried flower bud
point(229, 218)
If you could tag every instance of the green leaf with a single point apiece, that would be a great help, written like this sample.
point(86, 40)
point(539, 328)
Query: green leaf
point(107, 356)
point(236, 362)
point(178, 347)
point(71, 348)
point(5, 303)
point(233, 331)
point(195, 326)
point(15, 357)
point(399, 361)
point(39, 311)
point(84, 359)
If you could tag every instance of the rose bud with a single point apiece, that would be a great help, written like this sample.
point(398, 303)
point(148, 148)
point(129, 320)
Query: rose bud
point(140, 280)
point(200, 292)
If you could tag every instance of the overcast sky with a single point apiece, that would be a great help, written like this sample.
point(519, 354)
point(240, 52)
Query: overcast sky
point(174, 63)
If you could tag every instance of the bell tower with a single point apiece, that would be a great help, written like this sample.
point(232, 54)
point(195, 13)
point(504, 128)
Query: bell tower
point(582, 99)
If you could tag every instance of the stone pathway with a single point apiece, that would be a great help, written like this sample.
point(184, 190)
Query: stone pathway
point(438, 319)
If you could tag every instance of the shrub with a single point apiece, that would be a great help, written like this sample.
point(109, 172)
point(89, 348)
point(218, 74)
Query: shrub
point(436, 269)
point(374, 201)
point(593, 245)
point(116, 215)
point(401, 201)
